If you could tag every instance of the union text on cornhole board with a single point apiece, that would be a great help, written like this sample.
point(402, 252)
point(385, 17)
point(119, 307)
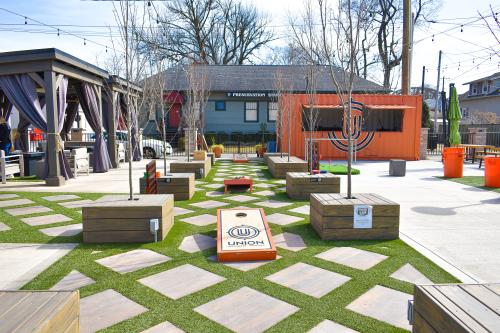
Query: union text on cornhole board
point(244, 235)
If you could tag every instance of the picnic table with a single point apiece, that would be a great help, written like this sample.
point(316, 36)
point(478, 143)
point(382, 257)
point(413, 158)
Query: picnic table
point(471, 149)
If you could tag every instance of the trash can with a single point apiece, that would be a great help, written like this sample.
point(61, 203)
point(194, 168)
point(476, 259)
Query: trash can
point(271, 146)
point(492, 171)
point(453, 159)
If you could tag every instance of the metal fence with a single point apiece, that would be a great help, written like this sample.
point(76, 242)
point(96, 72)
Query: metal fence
point(436, 141)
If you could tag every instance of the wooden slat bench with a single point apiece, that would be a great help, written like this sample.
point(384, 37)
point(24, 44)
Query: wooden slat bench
point(300, 185)
point(279, 166)
point(456, 308)
point(181, 185)
point(199, 168)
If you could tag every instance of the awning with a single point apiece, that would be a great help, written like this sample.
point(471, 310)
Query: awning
point(368, 106)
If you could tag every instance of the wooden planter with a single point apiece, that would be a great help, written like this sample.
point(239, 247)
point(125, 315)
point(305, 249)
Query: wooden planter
point(332, 216)
point(300, 185)
point(267, 155)
point(40, 311)
point(181, 185)
point(199, 168)
point(279, 166)
point(115, 219)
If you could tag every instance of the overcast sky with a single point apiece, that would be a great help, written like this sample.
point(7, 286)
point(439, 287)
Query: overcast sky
point(466, 54)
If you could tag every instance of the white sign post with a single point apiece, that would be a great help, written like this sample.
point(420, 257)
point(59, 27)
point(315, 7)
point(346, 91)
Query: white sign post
point(362, 217)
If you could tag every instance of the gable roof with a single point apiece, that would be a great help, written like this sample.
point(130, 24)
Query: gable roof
point(238, 78)
point(490, 77)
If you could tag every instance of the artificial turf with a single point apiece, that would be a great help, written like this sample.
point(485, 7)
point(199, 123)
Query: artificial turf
point(338, 169)
point(476, 181)
point(180, 312)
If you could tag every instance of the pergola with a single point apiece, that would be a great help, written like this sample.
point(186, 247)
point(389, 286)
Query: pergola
point(32, 79)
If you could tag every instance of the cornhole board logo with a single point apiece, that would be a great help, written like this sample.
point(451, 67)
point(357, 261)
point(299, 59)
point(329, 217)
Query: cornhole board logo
point(244, 235)
point(362, 217)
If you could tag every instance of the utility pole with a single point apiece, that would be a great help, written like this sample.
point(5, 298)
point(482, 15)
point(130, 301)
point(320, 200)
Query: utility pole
point(405, 71)
point(436, 107)
point(423, 83)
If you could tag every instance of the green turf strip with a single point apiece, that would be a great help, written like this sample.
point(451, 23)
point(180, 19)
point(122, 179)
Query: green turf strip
point(180, 312)
point(476, 181)
point(338, 169)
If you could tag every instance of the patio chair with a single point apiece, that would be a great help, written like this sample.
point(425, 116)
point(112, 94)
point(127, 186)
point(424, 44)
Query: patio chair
point(78, 160)
point(121, 152)
point(11, 165)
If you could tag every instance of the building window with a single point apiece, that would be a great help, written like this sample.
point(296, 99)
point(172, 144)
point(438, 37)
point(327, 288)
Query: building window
point(220, 105)
point(251, 112)
point(272, 111)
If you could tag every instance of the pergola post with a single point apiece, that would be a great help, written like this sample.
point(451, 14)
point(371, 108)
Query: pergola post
point(54, 177)
point(112, 128)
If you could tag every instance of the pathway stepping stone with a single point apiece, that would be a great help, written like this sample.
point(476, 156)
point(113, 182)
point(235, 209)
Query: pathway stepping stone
point(301, 210)
point(241, 198)
point(201, 220)
point(74, 280)
point(209, 204)
point(283, 219)
point(199, 182)
point(281, 181)
point(328, 326)
point(132, 261)
point(214, 193)
point(45, 219)
point(4, 227)
point(8, 196)
point(265, 193)
point(308, 279)
point(264, 185)
point(105, 309)
point(181, 281)
point(76, 204)
point(61, 197)
point(65, 230)
point(197, 242)
point(15, 202)
point(95, 252)
point(352, 257)
point(165, 327)
point(283, 189)
point(218, 179)
point(273, 203)
point(28, 210)
point(244, 266)
point(384, 304)
point(181, 211)
point(246, 310)
point(410, 274)
point(214, 186)
point(289, 241)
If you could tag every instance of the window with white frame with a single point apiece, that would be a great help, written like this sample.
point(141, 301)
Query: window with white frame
point(251, 112)
point(272, 111)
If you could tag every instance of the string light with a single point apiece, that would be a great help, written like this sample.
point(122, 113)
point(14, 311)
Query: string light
point(432, 37)
point(462, 28)
point(25, 20)
point(57, 32)
point(84, 41)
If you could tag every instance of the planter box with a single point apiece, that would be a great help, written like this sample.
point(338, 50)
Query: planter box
point(279, 166)
point(267, 155)
point(115, 219)
point(181, 185)
point(300, 185)
point(199, 168)
point(40, 311)
point(457, 308)
point(332, 216)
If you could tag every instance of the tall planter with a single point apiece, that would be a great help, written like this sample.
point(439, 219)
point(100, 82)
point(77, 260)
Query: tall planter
point(453, 160)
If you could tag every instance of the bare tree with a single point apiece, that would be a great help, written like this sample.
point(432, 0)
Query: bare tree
point(494, 26)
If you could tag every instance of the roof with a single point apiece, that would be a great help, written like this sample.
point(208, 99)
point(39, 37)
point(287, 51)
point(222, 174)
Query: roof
point(491, 77)
point(238, 78)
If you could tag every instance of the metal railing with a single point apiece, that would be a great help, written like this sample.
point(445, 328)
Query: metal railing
point(436, 141)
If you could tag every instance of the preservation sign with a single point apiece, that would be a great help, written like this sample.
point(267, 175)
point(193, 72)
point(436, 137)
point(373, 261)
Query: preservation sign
point(243, 234)
point(251, 94)
point(362, 217)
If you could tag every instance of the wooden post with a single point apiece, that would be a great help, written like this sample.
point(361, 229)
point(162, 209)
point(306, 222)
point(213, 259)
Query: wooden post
point(405, 68)
point(112, 127)
point(54, 177)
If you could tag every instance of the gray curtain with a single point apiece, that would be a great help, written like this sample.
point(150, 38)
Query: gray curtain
point(22, 141)
point(71, 112)
point(61, 110)
point(88, 100)
point(5, 106)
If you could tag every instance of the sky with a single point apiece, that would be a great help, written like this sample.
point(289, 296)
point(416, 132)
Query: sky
point(467, 54)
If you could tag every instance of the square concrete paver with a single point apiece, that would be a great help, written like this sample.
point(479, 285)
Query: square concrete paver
point(165, 327)
point(15, 202)
point(132, 261)
point(8, 196)
point(76, 204)
point(218, 179)
point(209, 204)
point(214, 193)
point(241, 198)
point(199, 182)
point(245, 266)
point(308, 279)
point(105, 309)
point(352, 257)
point(201, 220)
point(4, 227)
point(74, 280)
point(384, 304)
point(181, 211)
point(305, 210)
point(410, 274)
point(213, 186)
point(61, 197)
point(246, 310)
point(281, 181)
point(45, 219)
point(65, 230)
point(28, 210)
point(197, 242)
point(328, 326)
point(283, 219)
point(266, 193)
point(273, 203)
point(265, 185)
point(289, 241)
point(181, 281)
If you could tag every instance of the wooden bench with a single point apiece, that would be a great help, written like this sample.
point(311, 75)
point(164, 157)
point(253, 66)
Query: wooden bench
point(279, 166)
point(11, 165)
point(480, 155)
point(300, 185)
point(78, 160)
point(199, 168)
point(457, 308)
point(267, 155)
point(40, 311)
point(181, 185)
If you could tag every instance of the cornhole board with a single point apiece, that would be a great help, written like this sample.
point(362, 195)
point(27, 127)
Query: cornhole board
point(244, 235)
point(240, 158)
point(241, 181)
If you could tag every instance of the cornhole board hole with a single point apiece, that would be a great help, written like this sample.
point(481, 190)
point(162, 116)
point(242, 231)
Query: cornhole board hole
point(239, 181)
point(244, 235)
point(240, 158)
